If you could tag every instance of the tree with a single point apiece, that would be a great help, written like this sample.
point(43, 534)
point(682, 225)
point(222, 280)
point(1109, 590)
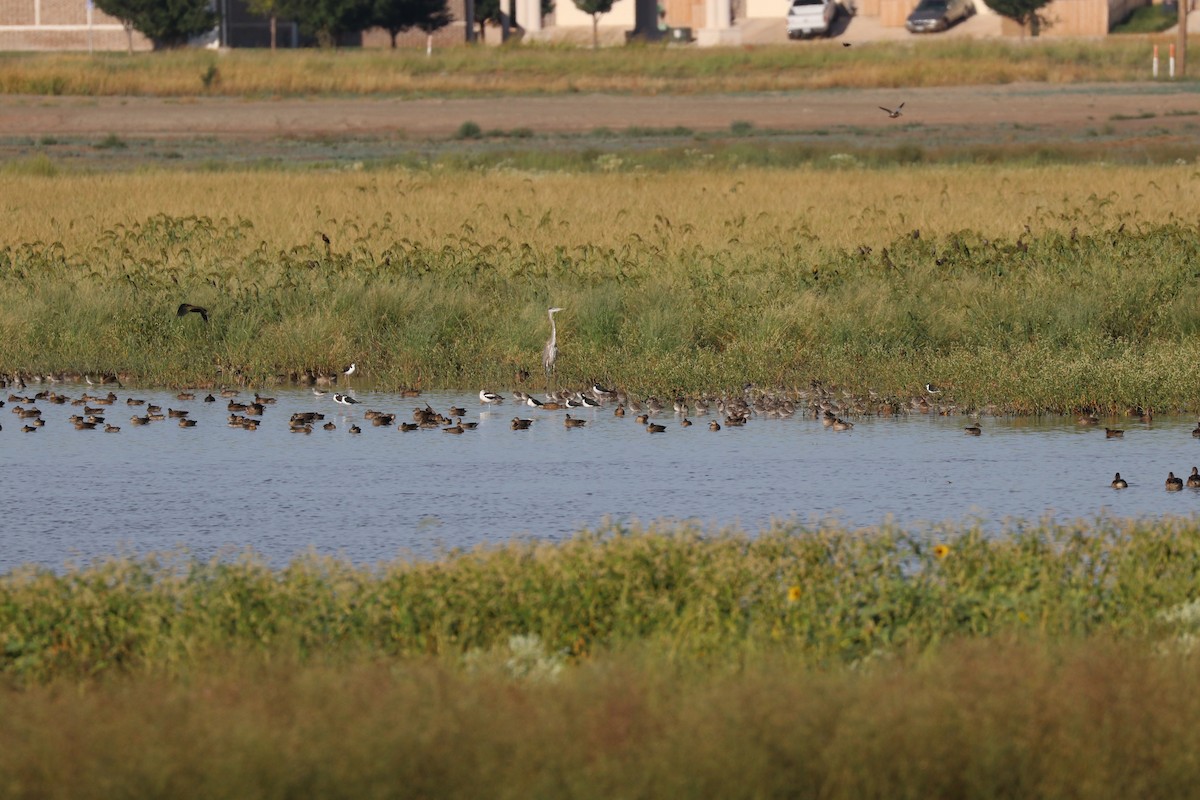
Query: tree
point(596, 8)
point(328, 19)
point(267, 8)
point(1026, 13)
point(166, 23)
point(395, 16)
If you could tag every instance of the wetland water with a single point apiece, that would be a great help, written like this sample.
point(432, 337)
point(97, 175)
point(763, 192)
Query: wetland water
point(73, 495)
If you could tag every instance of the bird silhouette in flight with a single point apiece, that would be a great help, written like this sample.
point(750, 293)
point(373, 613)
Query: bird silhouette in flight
point(892, 112)
point(187, 308)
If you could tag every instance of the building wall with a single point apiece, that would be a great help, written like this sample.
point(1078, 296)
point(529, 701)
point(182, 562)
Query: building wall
point(61, 25)
point(1079, 17)
point(567, 15)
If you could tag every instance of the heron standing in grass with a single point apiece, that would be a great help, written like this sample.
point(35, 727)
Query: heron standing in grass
point(550, 354)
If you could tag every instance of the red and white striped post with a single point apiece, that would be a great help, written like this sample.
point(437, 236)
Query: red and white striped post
point(1154, 63)
point(1171, 62)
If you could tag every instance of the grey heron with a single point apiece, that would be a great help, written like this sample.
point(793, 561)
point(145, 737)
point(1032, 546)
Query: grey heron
point(550, 353)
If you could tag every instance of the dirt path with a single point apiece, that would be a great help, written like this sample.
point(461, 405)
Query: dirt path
point(991, 112)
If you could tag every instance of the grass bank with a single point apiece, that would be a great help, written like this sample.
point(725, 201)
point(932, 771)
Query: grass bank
point(646, 663)
point(1067, 288)
point(541, 70)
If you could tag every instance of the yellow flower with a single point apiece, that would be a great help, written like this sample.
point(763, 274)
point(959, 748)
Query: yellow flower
point(793, 594)
point(941, 551)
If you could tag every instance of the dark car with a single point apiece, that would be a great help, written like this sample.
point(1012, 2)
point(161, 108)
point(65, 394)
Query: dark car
point(938, 15)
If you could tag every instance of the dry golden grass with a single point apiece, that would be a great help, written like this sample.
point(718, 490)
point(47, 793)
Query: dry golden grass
point(742, 209)
point(644, 70)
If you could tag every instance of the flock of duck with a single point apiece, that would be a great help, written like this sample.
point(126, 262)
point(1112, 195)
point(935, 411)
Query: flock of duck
point(94, 411)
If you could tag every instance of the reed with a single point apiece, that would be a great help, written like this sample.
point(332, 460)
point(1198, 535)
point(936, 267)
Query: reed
point(1041, 297)
point(548, 69)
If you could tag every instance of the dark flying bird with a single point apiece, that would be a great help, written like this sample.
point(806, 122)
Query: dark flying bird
point(187, 308)
point(892, 112)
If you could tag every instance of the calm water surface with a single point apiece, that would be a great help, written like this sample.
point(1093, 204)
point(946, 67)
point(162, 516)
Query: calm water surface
point(74, 495)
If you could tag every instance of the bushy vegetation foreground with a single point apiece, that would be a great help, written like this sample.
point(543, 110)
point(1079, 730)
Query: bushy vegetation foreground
point(1056, 661)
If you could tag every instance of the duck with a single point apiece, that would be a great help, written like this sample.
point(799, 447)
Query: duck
point(619, 411)
point(840, 424)
point(1118, 482)
point(408, 426)
point(685, 423)
point(1196, 431)
point(456, 411)
point(111, 429)
point(329, 426)
point(714, 426)
point(1174, 484)
point(455, 429)
point(973, 430)
point(1111, 433)
point(642, 419)
point(519, 424)
point(655, 428)
point(1088, 419)
point(171, 412)
point(185, 396)
point(569, 422)
point(1193, 480)
point(187, 423)
point(300, 428)
point(209, 399)
point(353, 429)
point(136, 420)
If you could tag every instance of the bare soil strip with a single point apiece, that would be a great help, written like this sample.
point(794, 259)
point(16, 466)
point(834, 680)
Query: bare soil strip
point(980, 113)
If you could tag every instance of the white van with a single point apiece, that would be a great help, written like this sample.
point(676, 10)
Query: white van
point(811, 18)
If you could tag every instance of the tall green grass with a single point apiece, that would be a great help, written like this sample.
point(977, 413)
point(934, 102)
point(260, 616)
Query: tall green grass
point(1097, 318)
point(549, 69)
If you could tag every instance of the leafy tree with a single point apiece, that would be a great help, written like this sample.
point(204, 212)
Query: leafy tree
point(166, 23)
point(1026, 13)
point(328, 19)
point(267, 8)
point(596, 8)
point(395, 16)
